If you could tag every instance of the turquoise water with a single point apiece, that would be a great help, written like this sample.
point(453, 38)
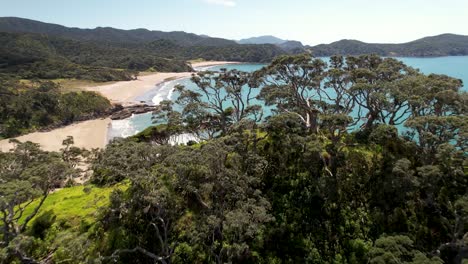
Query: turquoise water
point(456, 67)
point(453, 66)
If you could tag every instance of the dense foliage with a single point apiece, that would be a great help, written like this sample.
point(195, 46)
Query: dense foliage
point(108, 35)
point(315, 182)
point(441, 45)
point(31, 49)
point(31, 56)
point(242, 53)
point(27, 174)
point(29, 107)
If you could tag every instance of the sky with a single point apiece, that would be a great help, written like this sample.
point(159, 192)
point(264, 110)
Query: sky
point(309, 21)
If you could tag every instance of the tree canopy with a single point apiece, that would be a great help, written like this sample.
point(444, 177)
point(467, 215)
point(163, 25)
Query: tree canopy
point(362, 160)
point(24, 108)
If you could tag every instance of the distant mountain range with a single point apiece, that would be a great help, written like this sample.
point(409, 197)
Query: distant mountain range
point(184, 46)
point(441, 45)
point(290, 46)
point(108, 34)
point(33, 49)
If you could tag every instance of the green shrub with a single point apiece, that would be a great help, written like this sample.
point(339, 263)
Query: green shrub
point(42, 223)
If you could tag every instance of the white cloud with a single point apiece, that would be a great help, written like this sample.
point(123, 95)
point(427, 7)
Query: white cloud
point(228, 3)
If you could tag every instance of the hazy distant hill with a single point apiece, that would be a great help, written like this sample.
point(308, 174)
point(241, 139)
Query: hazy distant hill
point(262, 40)
point(29, 45)
point(290, 46)
point(441, 45)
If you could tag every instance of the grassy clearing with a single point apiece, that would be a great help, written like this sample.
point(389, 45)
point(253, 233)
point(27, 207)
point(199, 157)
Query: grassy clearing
point(68, 85)
point(146, 73)
point(76, 204)
point(74, 85)
point(197, 60)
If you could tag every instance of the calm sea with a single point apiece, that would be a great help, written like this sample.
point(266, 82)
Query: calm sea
point(453, 66)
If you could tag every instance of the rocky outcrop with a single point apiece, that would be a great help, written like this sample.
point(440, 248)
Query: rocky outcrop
point(126, 112)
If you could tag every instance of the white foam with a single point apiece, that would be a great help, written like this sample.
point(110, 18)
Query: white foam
point(165, 92)
point(159, 96)
point(122, 128)
point(126, 127)
point(203, 68)
point(169, 96)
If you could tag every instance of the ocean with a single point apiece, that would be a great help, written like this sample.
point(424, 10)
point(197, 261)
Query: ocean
point(452, 66)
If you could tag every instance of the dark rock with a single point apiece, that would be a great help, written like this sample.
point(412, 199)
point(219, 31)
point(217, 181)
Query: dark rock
point(126, 112)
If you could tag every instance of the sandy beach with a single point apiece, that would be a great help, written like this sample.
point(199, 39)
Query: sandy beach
point(125, 92)
point(87, 134)
point(93, 133)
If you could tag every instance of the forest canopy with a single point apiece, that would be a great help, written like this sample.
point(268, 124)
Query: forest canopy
point(29, 56)
point(315, 181)
point(41, 105)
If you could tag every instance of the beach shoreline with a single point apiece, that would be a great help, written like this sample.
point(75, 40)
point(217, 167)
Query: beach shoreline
point(86, 134)
point(149, 95)
point(94, 133)
point(126, 92)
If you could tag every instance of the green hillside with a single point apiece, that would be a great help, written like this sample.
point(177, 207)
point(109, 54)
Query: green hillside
point(441, 45)
point(39, 56)
point(77, 204)
point(109, 35)
point(32, 49)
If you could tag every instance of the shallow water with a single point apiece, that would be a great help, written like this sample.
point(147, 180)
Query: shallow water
point(453, 66)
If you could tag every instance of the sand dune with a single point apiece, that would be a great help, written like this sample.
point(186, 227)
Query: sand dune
point(93, 133)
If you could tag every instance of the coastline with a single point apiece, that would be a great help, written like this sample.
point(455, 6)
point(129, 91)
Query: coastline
point(94, 133)
point(127, 92)
point(148, 96)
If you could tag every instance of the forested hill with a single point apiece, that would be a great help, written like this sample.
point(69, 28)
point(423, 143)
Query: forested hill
point(441, 45)
point(32, 49)
point(262, 40)
point(107, 34)
point(139, 38)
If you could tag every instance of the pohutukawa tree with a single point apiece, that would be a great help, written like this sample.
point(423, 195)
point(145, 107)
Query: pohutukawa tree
point(438, 114)
point(292, 84)
point(329, 176)
point(214, 187)
point(380, 88)
point(27, 177)
point(219, 100)
point(338, 100)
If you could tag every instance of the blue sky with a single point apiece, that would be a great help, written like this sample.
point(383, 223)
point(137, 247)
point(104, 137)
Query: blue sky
point(310, 21)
